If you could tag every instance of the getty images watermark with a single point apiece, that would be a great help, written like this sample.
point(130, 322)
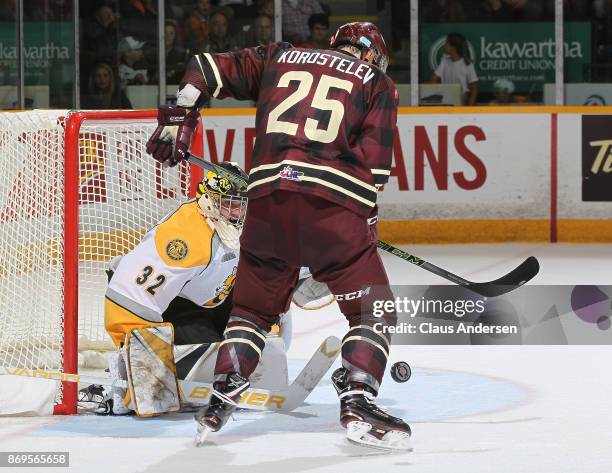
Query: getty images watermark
point(431, 308)
point(529, 315)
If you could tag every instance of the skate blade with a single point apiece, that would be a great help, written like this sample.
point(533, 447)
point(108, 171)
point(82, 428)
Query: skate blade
point(394, 440)
point(201, 435)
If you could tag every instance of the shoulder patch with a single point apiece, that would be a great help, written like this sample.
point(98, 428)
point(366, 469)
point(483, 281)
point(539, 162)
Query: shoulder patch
point(177, 249)
point(184, 240)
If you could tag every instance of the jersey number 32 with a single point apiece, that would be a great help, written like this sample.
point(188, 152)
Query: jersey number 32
point(146, 273)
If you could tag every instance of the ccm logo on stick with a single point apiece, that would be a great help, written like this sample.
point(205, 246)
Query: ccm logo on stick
point(352, 295)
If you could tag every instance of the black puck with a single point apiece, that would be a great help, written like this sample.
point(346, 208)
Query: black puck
point(401, 372)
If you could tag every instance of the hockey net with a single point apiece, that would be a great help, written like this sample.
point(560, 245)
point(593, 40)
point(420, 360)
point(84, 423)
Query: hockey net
point(76, 190)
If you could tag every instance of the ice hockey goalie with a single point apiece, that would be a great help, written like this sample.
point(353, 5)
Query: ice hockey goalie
point(182, 273)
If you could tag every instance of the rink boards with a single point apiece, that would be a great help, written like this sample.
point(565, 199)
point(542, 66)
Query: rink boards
point(481, 174)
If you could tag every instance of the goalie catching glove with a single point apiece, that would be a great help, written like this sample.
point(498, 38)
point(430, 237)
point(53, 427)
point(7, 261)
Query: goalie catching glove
point(168, 144)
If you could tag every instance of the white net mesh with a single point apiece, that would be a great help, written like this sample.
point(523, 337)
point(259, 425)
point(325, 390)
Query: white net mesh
point(123, 193)
point(31, 236)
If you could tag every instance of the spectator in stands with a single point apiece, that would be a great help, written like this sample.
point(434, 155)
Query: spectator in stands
point(510, 10)
point(139, 19)
point(443, 11)
point(295, 19)
point(265, 7)
point(242, 9)
point(219, 39)
point(8, 10)
point(132, 68)
point(261, 32)
point(456, 67)
point(264, 30)
point(503, 90)
point(138, 8)
point(176, 56)
point(44, 10)
point(534, 10)
point(88, 10)
point(198, 24)
point(496, 10)
point(223, 3)
point(102, 91)
point(101, 37)
point(578, 10)
point(318, 24)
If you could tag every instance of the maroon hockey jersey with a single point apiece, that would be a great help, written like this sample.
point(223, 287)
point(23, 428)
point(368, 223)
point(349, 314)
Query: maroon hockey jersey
point(325, 120)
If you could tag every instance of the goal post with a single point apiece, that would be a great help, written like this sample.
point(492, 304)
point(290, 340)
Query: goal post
point(77, 188)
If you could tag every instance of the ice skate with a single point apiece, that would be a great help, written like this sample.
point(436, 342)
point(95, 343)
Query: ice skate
point(223, 402)
point(365, 422)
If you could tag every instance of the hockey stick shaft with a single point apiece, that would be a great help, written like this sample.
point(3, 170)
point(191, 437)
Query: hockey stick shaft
point(515, 278)
point(421, 263)
point(523, 273)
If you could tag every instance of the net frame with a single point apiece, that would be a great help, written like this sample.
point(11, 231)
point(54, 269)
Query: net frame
point(70, 153)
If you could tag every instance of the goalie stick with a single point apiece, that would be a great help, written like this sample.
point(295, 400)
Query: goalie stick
point(196, 393)
point(514, 279)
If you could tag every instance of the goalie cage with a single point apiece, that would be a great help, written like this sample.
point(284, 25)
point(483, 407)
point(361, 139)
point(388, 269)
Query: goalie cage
point(76, 189)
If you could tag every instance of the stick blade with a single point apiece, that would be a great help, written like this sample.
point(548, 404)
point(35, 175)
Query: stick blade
point(523, 273)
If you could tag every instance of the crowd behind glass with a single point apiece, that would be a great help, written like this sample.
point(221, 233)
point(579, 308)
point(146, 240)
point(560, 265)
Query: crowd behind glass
point(118, 46)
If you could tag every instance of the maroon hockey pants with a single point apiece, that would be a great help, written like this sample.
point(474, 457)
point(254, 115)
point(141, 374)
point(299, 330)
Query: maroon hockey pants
point(284, 231)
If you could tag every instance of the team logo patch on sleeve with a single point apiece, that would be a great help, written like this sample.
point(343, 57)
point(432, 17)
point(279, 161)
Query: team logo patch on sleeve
point(292, 174)
point(177, 250)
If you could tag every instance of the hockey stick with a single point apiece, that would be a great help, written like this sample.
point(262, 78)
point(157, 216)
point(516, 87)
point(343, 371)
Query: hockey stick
point(279, 400)
point(209, 166)
point(515, 278)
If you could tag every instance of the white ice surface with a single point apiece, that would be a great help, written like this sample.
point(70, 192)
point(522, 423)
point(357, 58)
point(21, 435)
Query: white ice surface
point(472, 408)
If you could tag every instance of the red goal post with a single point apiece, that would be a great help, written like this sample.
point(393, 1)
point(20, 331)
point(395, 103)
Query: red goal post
point(76, 189)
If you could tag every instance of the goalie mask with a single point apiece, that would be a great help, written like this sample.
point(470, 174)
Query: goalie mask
point(222, 198)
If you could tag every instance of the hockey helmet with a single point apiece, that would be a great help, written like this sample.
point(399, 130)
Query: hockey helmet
point(367, 37)
point(222, 194)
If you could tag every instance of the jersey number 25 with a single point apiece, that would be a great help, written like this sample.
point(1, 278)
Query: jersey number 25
point(319, 101)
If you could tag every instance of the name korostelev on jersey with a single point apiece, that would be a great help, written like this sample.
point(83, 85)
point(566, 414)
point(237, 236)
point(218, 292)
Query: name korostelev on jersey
point(325, 120)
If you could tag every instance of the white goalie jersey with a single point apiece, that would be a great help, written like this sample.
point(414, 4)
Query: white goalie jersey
point(182, 256)
point(182, 272)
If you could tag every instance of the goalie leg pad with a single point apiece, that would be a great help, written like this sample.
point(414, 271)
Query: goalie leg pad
point(118, 370)
point(151, 370)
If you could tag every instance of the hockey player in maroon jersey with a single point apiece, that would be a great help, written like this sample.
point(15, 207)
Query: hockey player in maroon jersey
point(325, 125)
